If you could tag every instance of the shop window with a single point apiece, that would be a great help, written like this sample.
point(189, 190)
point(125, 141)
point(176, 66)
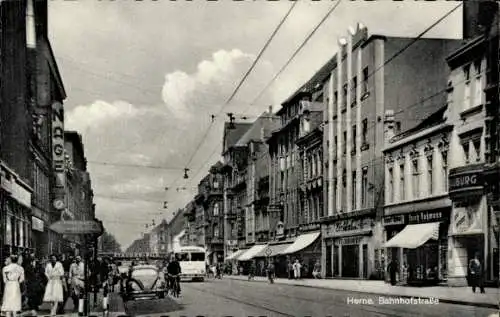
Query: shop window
point(329, 262)
point(365, 261)
point(335, 265)
point(415, 178)
point(467, 84)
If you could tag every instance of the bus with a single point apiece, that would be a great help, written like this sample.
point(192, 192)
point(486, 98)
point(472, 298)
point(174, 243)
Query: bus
point(192, 262)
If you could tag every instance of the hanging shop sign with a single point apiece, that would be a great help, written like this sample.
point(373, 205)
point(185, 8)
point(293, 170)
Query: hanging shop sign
point(467, 219)
point(58, 155)
point(425, 216)
point(37, 224)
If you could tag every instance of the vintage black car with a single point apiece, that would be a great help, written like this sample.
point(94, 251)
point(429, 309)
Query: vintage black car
point(144, 282)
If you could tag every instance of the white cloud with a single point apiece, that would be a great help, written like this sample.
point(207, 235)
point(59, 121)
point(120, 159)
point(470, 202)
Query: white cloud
point(98, 113)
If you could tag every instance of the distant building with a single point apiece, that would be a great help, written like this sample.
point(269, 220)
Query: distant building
point(159, 239)
point(175, 230)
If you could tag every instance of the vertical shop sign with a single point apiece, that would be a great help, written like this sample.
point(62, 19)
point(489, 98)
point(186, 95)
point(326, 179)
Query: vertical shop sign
point(58, 154)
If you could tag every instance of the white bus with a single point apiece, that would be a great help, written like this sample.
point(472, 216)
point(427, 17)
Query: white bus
point(192, 261)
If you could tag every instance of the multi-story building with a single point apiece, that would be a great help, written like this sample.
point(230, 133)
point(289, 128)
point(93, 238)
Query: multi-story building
point(191, 224)
point(159, 239)
point(417, 205)
point(30, 96)
point(368, 75)
point(234, 186)
point(140, 247)
point(176, 230)
point(211, 186)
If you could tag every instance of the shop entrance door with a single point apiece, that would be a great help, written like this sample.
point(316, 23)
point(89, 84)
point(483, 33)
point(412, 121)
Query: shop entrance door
point(350, 261)
point(475, 244)
point(329, 271)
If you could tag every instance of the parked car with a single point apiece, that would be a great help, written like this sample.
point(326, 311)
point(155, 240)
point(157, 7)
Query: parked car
point(145, 282)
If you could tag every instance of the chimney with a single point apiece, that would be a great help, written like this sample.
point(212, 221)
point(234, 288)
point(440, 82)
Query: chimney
point(388, 126)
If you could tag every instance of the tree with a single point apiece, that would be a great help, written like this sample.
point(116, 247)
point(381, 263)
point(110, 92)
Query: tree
point(108, 243)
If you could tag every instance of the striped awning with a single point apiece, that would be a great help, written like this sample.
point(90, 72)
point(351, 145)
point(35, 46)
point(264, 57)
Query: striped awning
point(413, 236)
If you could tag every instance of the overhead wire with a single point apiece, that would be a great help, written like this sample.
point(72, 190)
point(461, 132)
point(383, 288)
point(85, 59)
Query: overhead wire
point(401, 51)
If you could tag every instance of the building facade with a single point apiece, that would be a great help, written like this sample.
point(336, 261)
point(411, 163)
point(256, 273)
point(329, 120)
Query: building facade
point(360, 82)
point(234, 183)
point(213, 185)
point(417, 207)
point(175, 230)
point(159, 239)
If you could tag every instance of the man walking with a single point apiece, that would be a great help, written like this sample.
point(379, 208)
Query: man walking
point(77, 278)
point(476, 274)
point(296, 269)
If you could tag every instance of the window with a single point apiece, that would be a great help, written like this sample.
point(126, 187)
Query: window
point(402, 182)
point(478, 84)
point(30, 25)
point(467, 102)
point(345, 142)
point(216, 232)
point(354, 190)
point(477, 149)
point(336, 146)
point(216, 184)
point(430, 179)
point(354, 88)
point(345, 94)
point(216, 209)
point(364, 88)
point(364, 187)
point(335, 97)
point(354, 138)
point(415, 178)
point(364, 136)
point(390, 188)
point(465, 146)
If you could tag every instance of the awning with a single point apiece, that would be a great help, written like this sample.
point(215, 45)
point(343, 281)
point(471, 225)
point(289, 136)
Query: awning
point(235, 255)
point(413, 236)
point(250, 254)
point(302, 242)
point(272, 250)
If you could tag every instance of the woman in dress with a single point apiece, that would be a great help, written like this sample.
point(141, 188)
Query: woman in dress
point(54, 293)
point(13, 276)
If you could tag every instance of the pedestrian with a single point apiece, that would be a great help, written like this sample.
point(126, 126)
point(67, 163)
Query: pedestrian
point(392, 271)
point(34, 285)
point(290, 269)
point(296, 269)
point(476, 274)
point(13, 276)
point(66, 263)
point(317, 270)
point(54, 292)
point(251, 271)
point(270, 272)
point(76, 279)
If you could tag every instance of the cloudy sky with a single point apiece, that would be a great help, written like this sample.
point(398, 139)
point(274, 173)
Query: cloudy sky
point(143, 79)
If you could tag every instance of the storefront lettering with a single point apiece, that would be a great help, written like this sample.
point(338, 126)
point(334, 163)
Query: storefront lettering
point(425, 216)
point(58, 142)
point(348, 226)
point(348, 241)
point(309, 227)
point(465, 180)
point(394, 220)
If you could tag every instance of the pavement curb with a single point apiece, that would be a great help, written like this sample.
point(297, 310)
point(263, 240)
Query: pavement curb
point(441, 300)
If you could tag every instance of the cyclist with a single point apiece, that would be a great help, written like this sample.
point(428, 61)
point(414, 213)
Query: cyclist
point(174, 271)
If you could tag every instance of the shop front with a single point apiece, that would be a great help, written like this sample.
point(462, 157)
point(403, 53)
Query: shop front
point(16, 214)
point(349, 248)
point(417, 246)
point(306, 248)
point(273, 253)
point(469, 234)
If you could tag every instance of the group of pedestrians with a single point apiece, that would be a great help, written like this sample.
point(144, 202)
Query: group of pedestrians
point(29, 282)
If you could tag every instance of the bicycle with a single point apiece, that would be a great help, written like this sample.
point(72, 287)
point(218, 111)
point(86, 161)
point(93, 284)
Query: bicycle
point(174, 285)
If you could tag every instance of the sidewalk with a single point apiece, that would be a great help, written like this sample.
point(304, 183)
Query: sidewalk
point(451, 295)
point(116, 307)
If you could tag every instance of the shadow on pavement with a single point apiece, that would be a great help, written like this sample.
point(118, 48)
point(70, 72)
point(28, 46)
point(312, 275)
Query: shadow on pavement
point(145, 307)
